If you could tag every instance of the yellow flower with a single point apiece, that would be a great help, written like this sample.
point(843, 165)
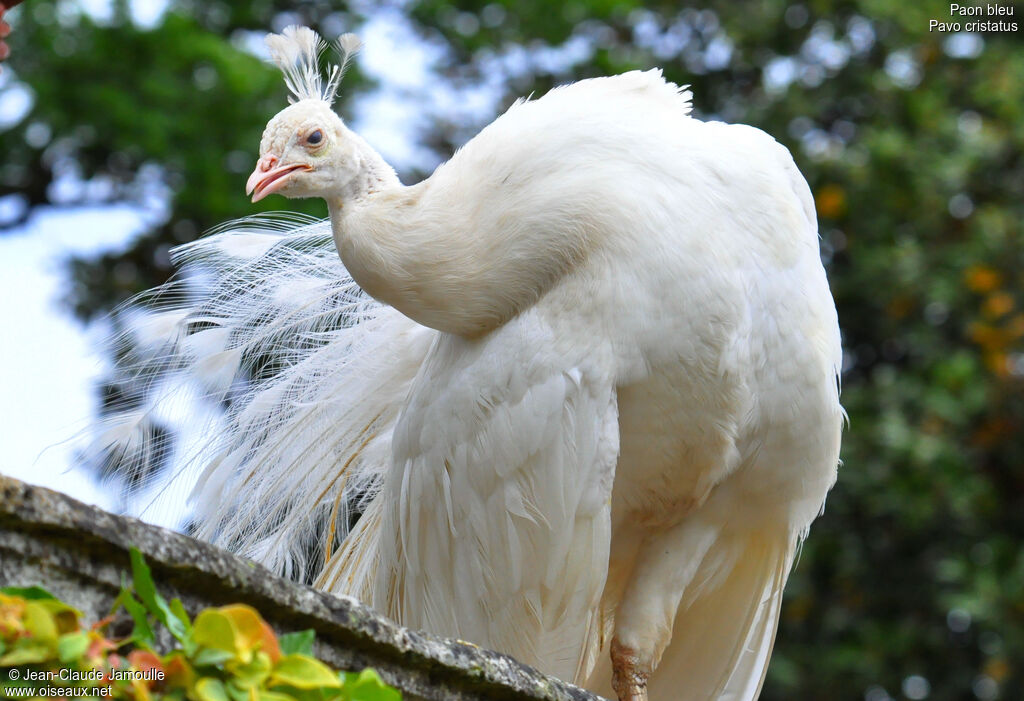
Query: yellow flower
point(998, 303)
point(831, 201)
point(981, 278)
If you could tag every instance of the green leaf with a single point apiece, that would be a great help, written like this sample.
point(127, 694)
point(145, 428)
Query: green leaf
point(214, 630)
point(264, 695)
point(181, 630)
point(157, 605)
point(27, 653)
point(253, 674)
point(142, 578)
point(298, 643)
point(72, 646)
point(40, 623)
point(29, 593)
point(142, 632)
point(303, 672)
point(65, 617)
point(178, 609)
point(187, 640)
point(368, 686)
point(236, 692)
point(210, 656)
point(210, 689)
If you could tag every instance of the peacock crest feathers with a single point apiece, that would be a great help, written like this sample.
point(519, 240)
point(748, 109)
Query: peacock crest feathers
point(297, 51)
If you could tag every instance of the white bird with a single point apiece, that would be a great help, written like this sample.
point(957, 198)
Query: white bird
point(588, 414)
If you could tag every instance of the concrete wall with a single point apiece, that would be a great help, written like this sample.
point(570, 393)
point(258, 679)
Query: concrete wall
point(80, 553)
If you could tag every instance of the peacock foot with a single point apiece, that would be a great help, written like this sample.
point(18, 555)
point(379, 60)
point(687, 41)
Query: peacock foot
point(629, 677)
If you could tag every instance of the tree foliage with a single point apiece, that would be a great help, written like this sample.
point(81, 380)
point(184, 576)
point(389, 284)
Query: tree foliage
point(912, 583)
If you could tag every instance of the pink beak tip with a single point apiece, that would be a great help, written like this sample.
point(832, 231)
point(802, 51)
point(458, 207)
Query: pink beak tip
point(265, 179)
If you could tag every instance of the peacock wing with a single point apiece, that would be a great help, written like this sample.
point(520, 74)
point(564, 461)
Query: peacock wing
point(496, 516)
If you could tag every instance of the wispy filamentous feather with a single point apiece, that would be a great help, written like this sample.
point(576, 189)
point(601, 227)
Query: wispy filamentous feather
point(266, 320)
point(347, 46)
point(297, 50)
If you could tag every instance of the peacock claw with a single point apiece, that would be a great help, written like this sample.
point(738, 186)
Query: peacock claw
point(629, 678)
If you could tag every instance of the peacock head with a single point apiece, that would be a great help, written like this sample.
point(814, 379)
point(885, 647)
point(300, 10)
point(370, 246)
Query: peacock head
point(306, 150)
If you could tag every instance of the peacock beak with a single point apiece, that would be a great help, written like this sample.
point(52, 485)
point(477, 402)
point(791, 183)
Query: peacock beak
point(266, 179)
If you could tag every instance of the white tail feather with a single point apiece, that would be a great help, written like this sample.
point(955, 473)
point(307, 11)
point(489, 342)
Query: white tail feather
point(266, 316)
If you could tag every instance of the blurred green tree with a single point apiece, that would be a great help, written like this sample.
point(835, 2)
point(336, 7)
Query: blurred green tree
point(912, 583)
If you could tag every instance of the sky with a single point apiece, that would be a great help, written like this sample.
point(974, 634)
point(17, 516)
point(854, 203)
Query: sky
point(50, 362)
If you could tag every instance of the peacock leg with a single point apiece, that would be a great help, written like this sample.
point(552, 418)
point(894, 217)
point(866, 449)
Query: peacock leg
point(665, 566)
point(629, 676)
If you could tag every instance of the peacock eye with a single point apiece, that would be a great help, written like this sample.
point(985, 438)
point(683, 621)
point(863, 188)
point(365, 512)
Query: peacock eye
point(315, 138)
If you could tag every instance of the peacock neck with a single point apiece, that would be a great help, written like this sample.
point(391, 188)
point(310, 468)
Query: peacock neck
point(423, 250)
point(405, 253)
point(371, 228)
point(374, 175)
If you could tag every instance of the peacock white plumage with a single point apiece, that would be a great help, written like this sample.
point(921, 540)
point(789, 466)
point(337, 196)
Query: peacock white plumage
point(580, 384)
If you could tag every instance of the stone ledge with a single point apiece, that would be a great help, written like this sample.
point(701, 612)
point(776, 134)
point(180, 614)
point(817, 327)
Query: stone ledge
point(81, 553)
